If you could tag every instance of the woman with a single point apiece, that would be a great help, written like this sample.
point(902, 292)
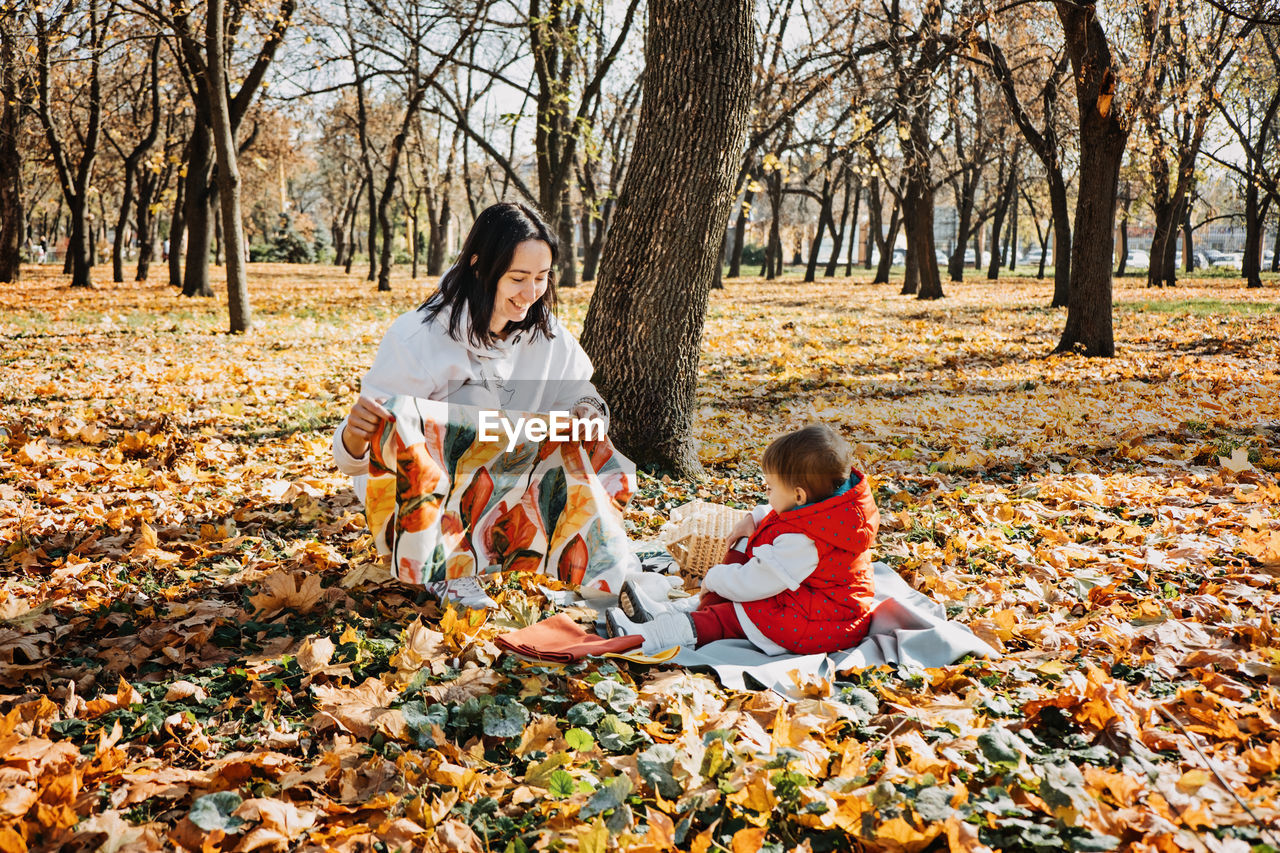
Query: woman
point(488, 337)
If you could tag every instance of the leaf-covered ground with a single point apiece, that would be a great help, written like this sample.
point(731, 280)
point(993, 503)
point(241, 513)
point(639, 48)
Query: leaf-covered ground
point(199, 649)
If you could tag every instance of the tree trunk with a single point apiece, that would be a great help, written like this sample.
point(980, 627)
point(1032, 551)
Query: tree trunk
point(1124, 244)
point(824, 222)
point(911, 269)
point(1188, 244)
point(643, 329)
point(773, 255)
point(1007, 197)
point(853, 188)
point(920, 240)
point(198, 212)
point(11, 212)
point(177, 233)
point(1012, 238)
point(740, 231)
point(117, 242)
point(1275, 250)
point(1251, 267)
point(1103, 135)
point(1063, 260)
point(568, 249)
point(886, 243)
point(224, 137)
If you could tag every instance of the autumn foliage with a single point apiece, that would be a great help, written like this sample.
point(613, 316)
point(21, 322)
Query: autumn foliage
point(199, 648)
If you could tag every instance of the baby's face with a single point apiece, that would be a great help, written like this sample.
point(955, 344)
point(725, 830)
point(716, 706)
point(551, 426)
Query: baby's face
point(781, 496)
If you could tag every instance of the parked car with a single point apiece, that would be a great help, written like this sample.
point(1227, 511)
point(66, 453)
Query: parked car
point(1231, 260)
point(1137, 260)
point(1032, 258)
point(899, 257)
point(1199, 260)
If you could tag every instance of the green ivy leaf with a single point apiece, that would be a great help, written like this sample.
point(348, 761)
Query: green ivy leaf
point(560, 784)
point(617, 696)
point(934, 804)
point(214, 811)
point(1001, 746)
point(504, 721)
point(539, 775)
point(585, 714)
point(579, 739)
point(610, 795)
point(656, 765)
point(614, 734)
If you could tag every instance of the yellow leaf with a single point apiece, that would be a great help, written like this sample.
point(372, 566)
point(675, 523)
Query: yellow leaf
point(594, 839)
point(1238, 461)
point(1193, 780)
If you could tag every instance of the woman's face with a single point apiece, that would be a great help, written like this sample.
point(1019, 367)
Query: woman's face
point(521, 285)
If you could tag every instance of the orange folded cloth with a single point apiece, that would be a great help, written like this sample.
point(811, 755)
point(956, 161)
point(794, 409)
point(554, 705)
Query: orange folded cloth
point(561, 640)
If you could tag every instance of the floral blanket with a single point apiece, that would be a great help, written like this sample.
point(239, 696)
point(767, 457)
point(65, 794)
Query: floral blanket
point(445, 504)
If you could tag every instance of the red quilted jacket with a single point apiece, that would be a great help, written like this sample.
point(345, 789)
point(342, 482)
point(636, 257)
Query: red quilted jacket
point(831, 610)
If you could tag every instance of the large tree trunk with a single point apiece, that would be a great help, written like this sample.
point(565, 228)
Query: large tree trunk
point(228, 172)
point(11, 213)
point(643, 329)
point(1103, 135)
point(198, 211)
point(1251, 268)
point(920, 240)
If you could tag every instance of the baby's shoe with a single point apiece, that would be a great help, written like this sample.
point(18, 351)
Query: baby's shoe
point(662, 632)
point(641, 604)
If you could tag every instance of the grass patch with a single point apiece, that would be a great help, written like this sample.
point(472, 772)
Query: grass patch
point(1201, 307)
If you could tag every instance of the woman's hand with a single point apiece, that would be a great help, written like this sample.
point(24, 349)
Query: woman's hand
point(584, 410)
point(362, 425)
point(745, 527)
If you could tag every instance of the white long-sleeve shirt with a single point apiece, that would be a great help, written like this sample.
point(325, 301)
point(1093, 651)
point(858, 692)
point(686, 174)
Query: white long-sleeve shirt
point(782, 565)
point(524, 373)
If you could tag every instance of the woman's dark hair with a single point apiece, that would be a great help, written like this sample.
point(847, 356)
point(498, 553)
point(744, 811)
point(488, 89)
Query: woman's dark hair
point(466, 286)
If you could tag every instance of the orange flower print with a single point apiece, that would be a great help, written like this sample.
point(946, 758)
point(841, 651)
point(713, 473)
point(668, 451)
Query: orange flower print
point(573, 561)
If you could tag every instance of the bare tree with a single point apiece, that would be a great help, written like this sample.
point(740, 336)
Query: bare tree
point(74, 167)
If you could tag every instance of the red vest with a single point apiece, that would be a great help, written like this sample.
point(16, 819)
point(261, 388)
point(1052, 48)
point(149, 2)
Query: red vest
point(832, 608)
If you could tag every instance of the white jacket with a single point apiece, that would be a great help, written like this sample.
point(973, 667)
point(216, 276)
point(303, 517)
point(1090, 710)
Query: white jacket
point(524, 373)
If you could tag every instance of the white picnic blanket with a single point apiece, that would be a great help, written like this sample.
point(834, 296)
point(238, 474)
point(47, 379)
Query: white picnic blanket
point(907, 628)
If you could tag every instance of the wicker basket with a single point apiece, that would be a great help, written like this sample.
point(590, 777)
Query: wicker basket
point(696, 537)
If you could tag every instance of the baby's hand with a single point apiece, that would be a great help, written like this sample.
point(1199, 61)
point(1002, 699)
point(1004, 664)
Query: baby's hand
point(745, 527)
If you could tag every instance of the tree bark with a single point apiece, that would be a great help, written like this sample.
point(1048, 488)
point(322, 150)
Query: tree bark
point(852, 193)
point(824, 222)
point(11, 210)
point(1103, 135)
point(644, 326)
point(224, 138)
point(177, 233)
point(198, 198)
point(740, 231)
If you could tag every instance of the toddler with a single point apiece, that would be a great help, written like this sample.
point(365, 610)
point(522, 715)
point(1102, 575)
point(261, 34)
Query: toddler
point(803, 585)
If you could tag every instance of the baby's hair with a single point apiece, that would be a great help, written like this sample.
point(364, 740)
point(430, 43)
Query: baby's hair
point(814, 458)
